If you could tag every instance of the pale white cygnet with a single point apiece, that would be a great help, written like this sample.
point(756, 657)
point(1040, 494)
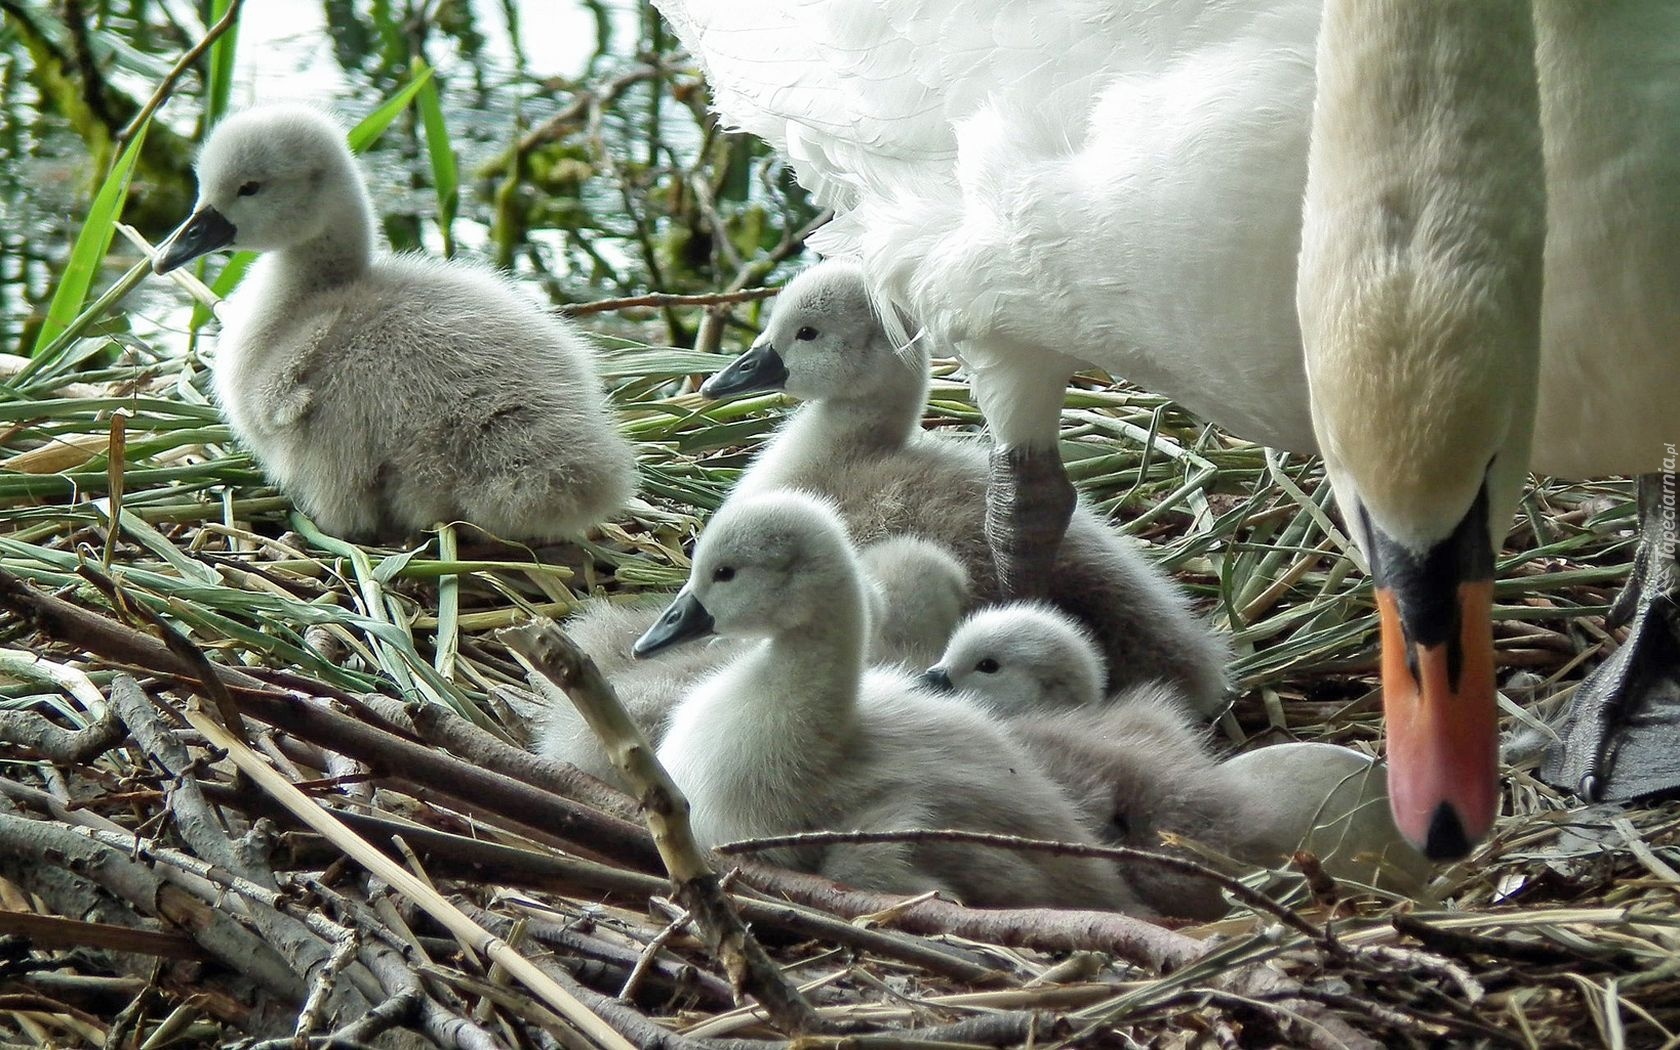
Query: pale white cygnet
point(857, 440)
point(1136, 769)
point(916, 593)
point(794, 735)
point(387, 393)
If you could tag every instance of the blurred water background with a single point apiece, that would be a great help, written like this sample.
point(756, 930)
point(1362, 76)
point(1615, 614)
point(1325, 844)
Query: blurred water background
point(585, 158)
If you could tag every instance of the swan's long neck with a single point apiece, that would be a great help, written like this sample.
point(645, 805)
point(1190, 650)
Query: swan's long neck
point(1419, 299)
point(344, 247)
point(876, 420)
point(1420, 273)
point(883, 416)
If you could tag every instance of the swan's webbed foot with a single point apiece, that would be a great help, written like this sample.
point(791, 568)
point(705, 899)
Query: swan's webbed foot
point(1029, 502)
point(1620, 738)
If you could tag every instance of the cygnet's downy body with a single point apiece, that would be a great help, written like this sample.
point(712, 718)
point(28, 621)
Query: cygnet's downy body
point(1136, 769)
point(386, 393)
point(916, 593)
point(858, 440)
point(794, 735)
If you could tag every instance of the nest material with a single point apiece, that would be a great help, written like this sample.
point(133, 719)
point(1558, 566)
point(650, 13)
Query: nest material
point(170, 623)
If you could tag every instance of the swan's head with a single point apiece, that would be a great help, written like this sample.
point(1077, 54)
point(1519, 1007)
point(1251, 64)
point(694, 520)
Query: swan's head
point(824, 340)
point(918, 592)
point(1019, 658)
point(1419, 291)
point(765, 565)
point(263, 176)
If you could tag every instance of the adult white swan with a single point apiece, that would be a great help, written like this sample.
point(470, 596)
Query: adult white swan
point(1079, 181)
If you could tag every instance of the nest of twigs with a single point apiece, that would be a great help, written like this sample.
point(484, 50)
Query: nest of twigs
point(262, 785)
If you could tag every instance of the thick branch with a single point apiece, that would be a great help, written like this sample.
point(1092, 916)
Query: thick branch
point(55, 846)
point(319, 721)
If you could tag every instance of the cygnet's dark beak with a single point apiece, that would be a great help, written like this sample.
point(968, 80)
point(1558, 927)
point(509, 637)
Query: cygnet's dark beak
point(754, 372)
point(936, 680)
point(207, 230)
point(683, 619)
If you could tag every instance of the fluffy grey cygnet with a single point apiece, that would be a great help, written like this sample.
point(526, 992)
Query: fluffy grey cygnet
point(858, 441)
point(794, 735)
point(1022, 658)
point(385, 393)
point(1137, 769)
point(916, 593)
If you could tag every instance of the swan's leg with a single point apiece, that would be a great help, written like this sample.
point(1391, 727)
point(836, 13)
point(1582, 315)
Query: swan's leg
point(1620, 739)
point(1029, 499)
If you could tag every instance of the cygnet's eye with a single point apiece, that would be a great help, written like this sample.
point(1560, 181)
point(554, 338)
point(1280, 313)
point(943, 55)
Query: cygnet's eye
point(249, 189)
point(723, 574)
point(806, 334)
point(987, 666)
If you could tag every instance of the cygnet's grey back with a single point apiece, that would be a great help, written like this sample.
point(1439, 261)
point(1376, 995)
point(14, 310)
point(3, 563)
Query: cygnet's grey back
point(1136, 769)
point(918, 593)
point(858, 441)
point(386, 393)
point(926, 762)
point(1021, 658)
point(502, 422)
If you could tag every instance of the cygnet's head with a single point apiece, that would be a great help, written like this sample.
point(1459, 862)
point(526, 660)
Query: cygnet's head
point(1021, 657)
point(263, 177)
point(918, 592)
point(764, 565)
point(824, 340)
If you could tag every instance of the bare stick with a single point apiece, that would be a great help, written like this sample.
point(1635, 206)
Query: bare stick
point(51, 931)
point(57, 744)
point(320, 988)
point(54, 742)
point(441, 727)
point(1251, 897)
point(650, 955)
point(54, 846)
point(320, 721)
point(663, 299)
point(558, 665)
point(167, 85)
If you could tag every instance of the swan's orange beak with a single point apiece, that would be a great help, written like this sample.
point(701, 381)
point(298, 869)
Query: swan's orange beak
point(1443, 725)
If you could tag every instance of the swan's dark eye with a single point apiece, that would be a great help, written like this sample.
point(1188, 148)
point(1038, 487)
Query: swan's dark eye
point(723, 574)
point(806, 334)
point(249, 189)
point(987, 666)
